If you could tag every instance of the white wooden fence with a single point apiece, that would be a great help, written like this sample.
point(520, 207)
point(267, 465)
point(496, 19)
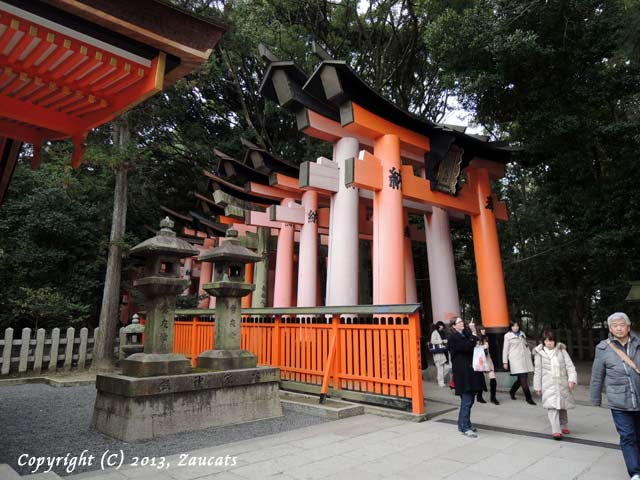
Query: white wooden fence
point(46, 352)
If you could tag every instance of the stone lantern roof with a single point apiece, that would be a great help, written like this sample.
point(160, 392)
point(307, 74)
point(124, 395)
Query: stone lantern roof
point(164, 243)
point(230, 251)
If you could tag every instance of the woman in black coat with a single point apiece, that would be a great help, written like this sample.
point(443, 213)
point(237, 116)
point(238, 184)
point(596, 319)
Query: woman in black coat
point(468, 382)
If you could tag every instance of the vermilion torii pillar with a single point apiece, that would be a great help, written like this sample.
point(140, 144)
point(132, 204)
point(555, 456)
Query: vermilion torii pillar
point(283, 287)
point(493, 296)
point(206, 272)
point(388, 224)
point(409, 270)
point(283, 282)
point(445, 303)
point(342, 270)
point(305, 215)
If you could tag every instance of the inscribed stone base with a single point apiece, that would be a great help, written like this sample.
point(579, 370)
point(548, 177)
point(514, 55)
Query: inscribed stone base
point(226, 360)
point(130, 409)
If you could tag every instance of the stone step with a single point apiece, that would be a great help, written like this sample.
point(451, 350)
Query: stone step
point(333, 409)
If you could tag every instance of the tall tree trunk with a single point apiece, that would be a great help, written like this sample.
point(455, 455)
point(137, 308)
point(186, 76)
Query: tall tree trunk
point(103, 359)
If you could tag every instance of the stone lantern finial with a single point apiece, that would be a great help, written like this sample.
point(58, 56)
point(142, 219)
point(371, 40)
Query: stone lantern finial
point(167, 224)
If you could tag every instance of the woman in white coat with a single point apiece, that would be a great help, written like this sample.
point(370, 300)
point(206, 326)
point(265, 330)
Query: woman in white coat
point(439, 341)
point(516, 357)
point(554, 379)
point(484, 342)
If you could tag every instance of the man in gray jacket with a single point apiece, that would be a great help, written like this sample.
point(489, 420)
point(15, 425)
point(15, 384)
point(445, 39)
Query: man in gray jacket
point(622, 384)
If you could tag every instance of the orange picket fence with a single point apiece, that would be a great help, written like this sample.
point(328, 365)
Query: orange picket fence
point(369, 353)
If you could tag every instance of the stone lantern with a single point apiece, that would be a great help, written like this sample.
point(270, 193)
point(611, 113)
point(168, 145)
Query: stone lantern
point(132, 337)
point(158, 394)
point(160, 285)
point(228, 287)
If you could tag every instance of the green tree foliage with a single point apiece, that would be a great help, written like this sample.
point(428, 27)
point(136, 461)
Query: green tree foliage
point(560, 79)
point(53, 232)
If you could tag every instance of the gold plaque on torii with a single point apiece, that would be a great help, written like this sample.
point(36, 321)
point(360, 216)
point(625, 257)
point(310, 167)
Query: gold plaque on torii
point(449, 170)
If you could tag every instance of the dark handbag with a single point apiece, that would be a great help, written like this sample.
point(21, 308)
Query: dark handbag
point(436, 348)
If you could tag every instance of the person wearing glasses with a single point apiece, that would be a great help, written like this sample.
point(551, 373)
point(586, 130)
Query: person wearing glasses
point(462, 341)
point(616, 368)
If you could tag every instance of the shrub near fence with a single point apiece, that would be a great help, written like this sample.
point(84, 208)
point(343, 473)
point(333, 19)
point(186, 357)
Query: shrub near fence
point(22, 352)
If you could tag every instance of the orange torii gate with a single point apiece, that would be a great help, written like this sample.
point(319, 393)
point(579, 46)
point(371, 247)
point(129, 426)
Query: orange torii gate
point(334, 103)
point(391, 132)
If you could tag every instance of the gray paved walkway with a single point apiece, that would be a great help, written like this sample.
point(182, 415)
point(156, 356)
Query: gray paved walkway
point(374, 447)
point(370, 447)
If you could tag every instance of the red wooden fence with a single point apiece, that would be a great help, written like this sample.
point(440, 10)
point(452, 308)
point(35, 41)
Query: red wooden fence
point(374, 350)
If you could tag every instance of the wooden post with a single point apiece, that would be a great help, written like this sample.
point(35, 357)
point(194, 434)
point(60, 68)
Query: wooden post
point(329, 368)
point(276, 358)
point(417, 394)
point(24, 350)
point(82, 353)
point(53, 353)
point(6, 353)
point(335, 326)
point(37, 363)
point(194, 340)
point(68, 353)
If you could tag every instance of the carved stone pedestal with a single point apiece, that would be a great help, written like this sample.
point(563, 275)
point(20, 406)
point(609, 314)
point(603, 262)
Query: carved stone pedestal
point(130, 408)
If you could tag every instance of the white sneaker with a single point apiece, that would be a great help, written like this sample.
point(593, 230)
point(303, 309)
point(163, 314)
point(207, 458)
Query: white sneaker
point(472, 434)
point(636, 477)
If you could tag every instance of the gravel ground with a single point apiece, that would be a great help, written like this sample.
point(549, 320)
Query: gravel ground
point(40, 420)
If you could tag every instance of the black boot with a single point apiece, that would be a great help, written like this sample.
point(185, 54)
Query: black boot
point(527, 395)
point(493, 385)
point(480, 399)
point(514, 389)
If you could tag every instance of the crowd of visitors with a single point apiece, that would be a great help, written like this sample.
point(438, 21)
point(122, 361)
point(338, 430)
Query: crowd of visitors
point(462, 349)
